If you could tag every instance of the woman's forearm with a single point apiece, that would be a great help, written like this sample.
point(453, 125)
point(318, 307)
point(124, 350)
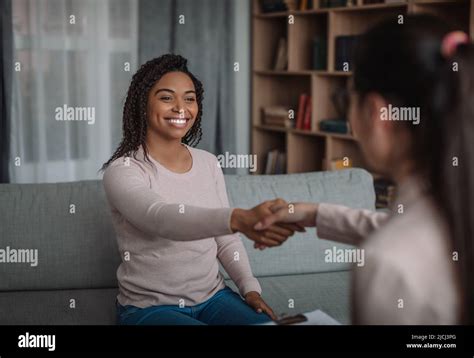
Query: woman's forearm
point(233, 257)
point(346, 225)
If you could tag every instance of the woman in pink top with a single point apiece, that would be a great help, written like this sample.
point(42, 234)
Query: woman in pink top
point(412, 109)
point(171, 213)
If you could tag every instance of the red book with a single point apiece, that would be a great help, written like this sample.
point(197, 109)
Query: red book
point(301, 110)
point(307, 115)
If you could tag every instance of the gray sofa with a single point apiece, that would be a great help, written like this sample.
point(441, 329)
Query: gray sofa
point(74, 281)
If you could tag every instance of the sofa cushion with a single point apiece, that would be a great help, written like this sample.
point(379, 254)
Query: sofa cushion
point(76, 244)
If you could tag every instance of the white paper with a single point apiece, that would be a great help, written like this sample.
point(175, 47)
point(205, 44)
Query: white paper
point(315, 318)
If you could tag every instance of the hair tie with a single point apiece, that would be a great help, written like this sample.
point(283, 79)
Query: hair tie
point(451, 41)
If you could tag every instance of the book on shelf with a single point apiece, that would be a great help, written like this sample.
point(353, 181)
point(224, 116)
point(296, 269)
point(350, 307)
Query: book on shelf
point(269, 163)
point(268, 6)
point(306, 5)
point(336, 3)
point(344, 52)
point(282, 161)
point(320, 53)
point(281, 60)
point(302, 103)
point(291, 5)
point(277, 116)
point(276, 162)
point(307, 115)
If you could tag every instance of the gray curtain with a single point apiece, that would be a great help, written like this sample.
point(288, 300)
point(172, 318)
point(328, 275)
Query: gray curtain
point(6, 62)
point(207, 41)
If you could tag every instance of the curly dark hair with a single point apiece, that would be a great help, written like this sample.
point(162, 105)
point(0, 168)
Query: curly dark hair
point(134, 125)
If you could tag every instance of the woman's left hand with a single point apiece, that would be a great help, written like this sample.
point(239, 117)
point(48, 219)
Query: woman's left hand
point(256, 301)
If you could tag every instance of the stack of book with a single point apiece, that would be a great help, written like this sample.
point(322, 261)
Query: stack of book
point(303, 116)
point(385, 191)
point(276, 116)
point(276, 162)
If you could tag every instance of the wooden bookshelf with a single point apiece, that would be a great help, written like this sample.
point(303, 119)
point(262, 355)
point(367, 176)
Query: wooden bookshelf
point(312, 150)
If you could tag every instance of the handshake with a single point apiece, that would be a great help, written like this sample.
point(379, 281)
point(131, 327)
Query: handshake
point(273, 222)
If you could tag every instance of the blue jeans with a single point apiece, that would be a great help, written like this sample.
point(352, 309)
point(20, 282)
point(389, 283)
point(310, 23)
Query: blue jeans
point(224, 308)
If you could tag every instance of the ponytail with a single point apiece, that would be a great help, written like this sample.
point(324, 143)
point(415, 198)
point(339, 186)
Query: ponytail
point(452, 176)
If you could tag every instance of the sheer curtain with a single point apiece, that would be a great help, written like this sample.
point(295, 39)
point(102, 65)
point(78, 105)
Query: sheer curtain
point(73, 62)
point(5, 87)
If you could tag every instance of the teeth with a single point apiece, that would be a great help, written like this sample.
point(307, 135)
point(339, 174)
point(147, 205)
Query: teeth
point(177, 121)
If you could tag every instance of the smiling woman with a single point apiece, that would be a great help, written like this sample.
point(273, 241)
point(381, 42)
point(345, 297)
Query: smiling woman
point(171, 212)
point(161, 91)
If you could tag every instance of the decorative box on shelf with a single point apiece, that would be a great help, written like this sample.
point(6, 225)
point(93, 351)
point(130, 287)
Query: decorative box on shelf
point(336, 125)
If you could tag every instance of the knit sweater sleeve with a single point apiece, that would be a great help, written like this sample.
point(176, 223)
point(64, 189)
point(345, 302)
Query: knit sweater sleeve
point(128, 191)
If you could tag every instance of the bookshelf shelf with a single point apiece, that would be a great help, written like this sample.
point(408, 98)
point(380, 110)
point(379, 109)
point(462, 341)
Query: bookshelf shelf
point(317, 11)
point(440, 2)
point(304, 132)
point(333, 73)
point(308, 12)
point(313, 149)
point(282, 73)
point(368, 7)
point(337, 135)
point(323, 134)
point(302, 73)
point(271, 128)
point(273, 14)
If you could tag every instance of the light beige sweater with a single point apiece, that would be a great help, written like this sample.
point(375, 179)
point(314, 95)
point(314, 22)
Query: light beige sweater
point(409, 274)
point(172, 229)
